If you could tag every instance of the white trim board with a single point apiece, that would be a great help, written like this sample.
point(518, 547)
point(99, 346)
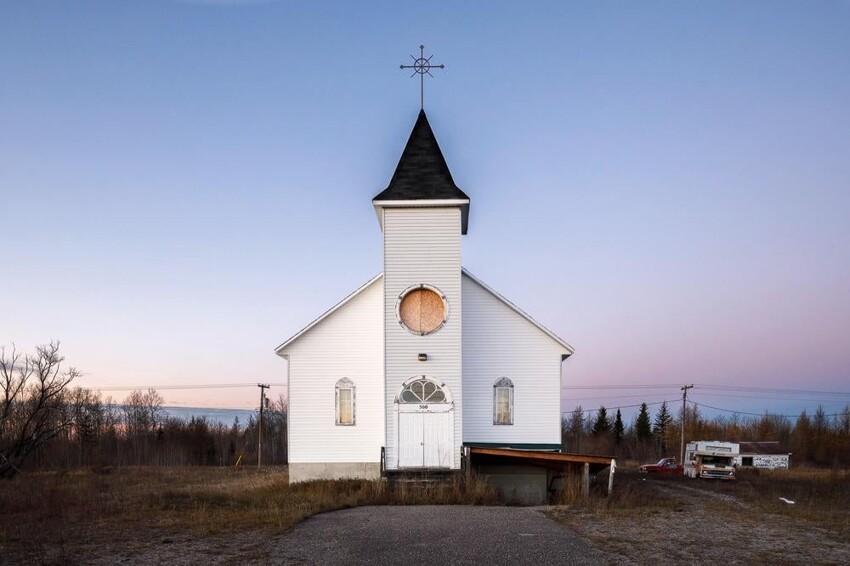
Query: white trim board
point(418, 203)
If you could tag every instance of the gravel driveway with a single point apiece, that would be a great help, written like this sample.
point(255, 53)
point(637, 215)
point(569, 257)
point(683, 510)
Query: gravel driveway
point(433, 535)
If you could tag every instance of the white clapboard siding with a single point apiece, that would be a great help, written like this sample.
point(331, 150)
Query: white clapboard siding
point(500, 342)
point(422, 245)
point(346, 342)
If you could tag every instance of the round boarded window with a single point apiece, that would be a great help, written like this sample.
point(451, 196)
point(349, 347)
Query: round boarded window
point(422, 310)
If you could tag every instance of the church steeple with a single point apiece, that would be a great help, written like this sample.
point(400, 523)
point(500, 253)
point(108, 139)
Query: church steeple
point(422, 173)
point(423, 216)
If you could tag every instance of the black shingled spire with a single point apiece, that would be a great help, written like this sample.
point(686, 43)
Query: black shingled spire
point(422, 172)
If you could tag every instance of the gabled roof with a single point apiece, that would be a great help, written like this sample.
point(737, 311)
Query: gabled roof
point(339, 305)
point(422, 173)
point(570, 350)
point(327, 313)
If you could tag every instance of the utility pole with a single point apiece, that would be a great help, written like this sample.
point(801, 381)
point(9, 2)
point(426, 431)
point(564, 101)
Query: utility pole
point(684, 420)
point(263, 388)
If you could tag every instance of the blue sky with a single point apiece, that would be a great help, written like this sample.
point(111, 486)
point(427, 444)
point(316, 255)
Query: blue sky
point(185, 184)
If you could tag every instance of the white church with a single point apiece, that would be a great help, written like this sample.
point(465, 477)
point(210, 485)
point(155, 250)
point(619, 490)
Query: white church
point(424, 359)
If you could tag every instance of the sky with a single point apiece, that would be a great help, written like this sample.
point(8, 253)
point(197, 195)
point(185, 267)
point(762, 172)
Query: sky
point(665, 185)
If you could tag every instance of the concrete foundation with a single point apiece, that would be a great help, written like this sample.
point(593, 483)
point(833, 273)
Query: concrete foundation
point(309, 471)
point(517, 484)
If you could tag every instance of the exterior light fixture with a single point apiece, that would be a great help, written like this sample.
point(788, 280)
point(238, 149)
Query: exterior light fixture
point(423, 357)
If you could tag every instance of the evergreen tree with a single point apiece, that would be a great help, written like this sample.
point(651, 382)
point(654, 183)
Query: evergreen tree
point(575, 429)
point(820, 423)
point(601, 425)
point(643, 425)
point(844, 424)
point(801, 438)
point(819, 447)
point(663, 419)
point(619, 429)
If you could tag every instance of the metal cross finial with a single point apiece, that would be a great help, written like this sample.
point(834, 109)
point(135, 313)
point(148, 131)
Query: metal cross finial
point(421, 67)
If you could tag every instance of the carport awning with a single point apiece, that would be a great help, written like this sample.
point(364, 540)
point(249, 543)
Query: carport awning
point(559, 460)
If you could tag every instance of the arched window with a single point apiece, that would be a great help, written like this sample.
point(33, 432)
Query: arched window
point(422, 391)
point(345, 402)
point(503, 402)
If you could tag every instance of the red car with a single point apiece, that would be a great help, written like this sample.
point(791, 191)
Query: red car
point(663, 466)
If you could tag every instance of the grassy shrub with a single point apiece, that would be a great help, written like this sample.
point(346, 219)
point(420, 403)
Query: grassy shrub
point(461, 491)
point(819, 495)
point(628, 494)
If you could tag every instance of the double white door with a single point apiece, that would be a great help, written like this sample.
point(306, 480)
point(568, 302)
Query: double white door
point(426, 438)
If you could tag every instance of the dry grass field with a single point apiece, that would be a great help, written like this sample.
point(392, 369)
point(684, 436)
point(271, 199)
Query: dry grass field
point(184, 514)
point(62, 517)
point(702, 521)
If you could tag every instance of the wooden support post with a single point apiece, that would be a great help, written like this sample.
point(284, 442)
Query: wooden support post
point(611, 476)
point(585, 480)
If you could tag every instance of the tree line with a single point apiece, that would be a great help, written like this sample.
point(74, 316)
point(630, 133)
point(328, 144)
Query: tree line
point(816, 440)
point(47, 424)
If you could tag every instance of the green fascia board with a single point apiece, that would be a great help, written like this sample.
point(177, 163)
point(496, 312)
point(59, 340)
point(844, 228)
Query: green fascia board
point(515, 445)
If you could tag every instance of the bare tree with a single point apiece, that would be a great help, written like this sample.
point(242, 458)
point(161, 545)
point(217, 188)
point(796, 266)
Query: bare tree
point(143, 416)
point(143, 411)
point(33, 404)
point(89, 417)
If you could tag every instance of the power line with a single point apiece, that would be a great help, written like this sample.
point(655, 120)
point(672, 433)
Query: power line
point(775, 390)
point(707, 386)
point(769, 414)
point(603, 397)
point(629, 386)
point(707, 394)
point(178, 387)
point(622, 406)
point(632, 386)
point(171, 407)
